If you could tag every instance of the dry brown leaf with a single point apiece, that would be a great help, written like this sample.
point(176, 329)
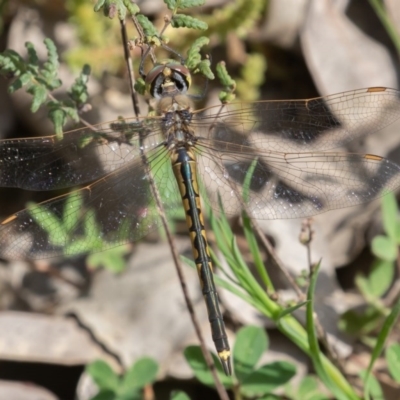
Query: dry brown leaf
point(339, 55)
point(141, 312)
point(284, 20)
point(39, 338)
point(23, 391)
point(393, 11)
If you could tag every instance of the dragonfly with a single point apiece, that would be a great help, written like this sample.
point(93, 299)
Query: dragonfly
point(285, 145)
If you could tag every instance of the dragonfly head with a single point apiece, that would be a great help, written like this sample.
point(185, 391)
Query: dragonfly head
point(168, 79)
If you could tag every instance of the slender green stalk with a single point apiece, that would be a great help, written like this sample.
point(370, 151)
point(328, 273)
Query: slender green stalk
point(386, 22)
point(286, 323)
point(380, 343)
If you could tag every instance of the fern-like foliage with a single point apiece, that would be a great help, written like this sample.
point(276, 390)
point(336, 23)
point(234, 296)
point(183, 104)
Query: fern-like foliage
point(111, 8)
point(252, 77)
point(40, 81)
point(174, 5)
point(229, 85)
point(239, 16)
point(186, 21)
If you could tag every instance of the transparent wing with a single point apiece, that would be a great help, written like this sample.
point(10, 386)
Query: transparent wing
point(81, 156)
point(293, 185)
point(301, 125)
point(118, 208)
point(280, 140)
point(284, 142)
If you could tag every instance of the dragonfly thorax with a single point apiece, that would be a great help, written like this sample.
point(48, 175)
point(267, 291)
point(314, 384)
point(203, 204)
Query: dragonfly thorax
point(177, 130)
point(175, 103)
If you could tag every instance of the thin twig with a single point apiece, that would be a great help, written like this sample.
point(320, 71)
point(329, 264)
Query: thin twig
point(271, 251)
point(131, 74)
point(48, 269)
point(394, 292)
point(81, 120)
point(306, 237)
point(142, 36)
point(167, 22)
point(178, 266)
point(210, 363)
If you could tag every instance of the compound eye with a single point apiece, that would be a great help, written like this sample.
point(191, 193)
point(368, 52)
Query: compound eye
point(154, 80)
point(181, 77)
point(153, 74)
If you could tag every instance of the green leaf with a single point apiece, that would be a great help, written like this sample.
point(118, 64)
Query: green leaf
point(251, 342)
point(111, 8)
point(112, 259)
point(380, 278)
point(179, 395)
point(224, 77)
point(48, 222)
point(227, 94)
point(81, 246)
point(291, 309)
point(389, 215)
point(49, 80)
point(384, 332)
point(91, 241)
point(226, 97)
point(70, 219)
point(181, 4)
point(39, 97)
point(91, 226)
point(197, 363)
point(148, 28)
point(185, 21)
point(51, 65)
point(11, 63)
point(193, 62)
point(79, 91)
point(69, 110)
point(57, 116)
point(393, 361)
point(33, 59)
point(134, 395)
point(140, 86)
point(193, 54)
point(103, 375)
point(171, 4)
point(308, 390)
point(104, 395)
point(252, 77)
point(191, 3)
point(384, 247)
point(142, 373)
point(360, 323)
point(17, 84)
point(204, 67)
point(99, 5)
point(375, 389)
point(25, 79)
point(131, 7)
point(267, 378)
point(247, 180)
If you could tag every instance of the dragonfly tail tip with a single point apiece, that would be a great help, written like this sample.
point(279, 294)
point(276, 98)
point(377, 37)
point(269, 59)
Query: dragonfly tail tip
point(226, 365)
